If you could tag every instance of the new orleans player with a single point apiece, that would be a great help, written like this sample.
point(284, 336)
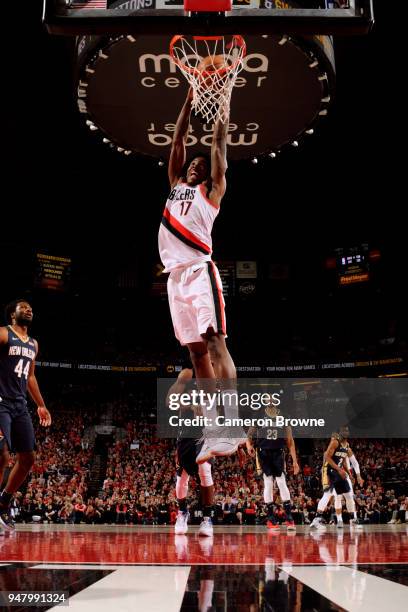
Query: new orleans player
point(186, 466)
point(268, 445)
point(17, 363)
point(336, 479)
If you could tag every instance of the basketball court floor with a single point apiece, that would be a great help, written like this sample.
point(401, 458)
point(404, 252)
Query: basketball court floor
point(124, 568)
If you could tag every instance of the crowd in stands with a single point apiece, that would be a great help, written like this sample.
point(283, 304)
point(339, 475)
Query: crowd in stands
point(138, 487)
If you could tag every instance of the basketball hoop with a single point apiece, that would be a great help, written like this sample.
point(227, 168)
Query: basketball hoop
point(212, 86)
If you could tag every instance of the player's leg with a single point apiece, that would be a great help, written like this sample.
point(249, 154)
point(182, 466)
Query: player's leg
point(268, 499)
point(351, 509)
point(327, 487)
point(207, 498)
point(203, 368)
point(4, 461)
point(338, 505)
point(4, 457)
point(5, 440)
point(181, 526)
point(23, 443)
point(318, 521)
point(278, 467)
point(263, 465)
point(224, 367)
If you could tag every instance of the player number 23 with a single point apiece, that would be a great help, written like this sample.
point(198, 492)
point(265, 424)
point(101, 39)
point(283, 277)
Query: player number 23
point(272, 434)
point(19, 369)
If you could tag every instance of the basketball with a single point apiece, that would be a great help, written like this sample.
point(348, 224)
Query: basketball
point(211, 64)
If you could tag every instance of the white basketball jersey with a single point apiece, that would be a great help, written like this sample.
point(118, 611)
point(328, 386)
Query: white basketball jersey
point(186, 226)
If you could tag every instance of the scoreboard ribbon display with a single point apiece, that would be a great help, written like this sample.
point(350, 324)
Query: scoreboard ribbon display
point(52, 272)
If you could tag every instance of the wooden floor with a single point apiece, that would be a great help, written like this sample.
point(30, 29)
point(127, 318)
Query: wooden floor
point(240, 568)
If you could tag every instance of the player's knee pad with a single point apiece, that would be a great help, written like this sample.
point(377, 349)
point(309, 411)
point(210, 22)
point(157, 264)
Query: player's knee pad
point(182, 485)
point(204, 471)
point(350, 505)
point(283, 488)
point(338, 502)
point(323, 502)
point(268, 489)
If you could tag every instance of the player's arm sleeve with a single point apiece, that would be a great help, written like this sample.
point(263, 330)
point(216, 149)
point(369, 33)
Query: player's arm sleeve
point(354, 464)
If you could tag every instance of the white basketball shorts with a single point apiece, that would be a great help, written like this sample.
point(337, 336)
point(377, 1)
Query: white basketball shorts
point(196, 302)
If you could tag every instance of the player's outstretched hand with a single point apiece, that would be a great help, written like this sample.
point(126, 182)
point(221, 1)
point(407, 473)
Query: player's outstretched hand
point(44, 416)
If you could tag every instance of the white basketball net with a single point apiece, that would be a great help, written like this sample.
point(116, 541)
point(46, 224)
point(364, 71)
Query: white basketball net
point(212, 88)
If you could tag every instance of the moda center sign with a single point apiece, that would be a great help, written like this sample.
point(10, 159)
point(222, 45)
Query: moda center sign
point(130, 92)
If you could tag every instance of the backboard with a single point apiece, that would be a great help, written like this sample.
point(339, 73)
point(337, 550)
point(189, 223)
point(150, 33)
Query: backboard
point(73, 17)
point(129, 92)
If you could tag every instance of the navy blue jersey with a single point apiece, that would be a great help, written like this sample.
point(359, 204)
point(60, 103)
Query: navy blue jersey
point(270, 437)
point(184, 434)
point(16, 358)
point(340, 454)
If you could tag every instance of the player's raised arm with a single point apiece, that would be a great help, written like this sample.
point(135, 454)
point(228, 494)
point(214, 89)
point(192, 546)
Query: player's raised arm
point(218, 162)
point(178, 147)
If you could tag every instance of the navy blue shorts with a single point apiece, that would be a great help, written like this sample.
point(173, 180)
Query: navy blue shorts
point(339, 484)
point(271, 461)
point(187, 451)
point(16, 426)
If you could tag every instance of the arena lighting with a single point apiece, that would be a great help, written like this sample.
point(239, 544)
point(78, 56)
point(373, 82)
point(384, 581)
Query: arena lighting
point(264, 385)
point(272, 155)
point(322, 77)
point(254, 160)
point(309, 132)
point(294, 143)
point(89, 123)
point(120, 149)
point(160, 162)
point(326, 99)
point(106, 140)
point(128, 152)
point(314, 64)
point(323, 112)
point(129, 37)
point(283, 40)
point(309, 382)
point(93, 128)
point(393, 375)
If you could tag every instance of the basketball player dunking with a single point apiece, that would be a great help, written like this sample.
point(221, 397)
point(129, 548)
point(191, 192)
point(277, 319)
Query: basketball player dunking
point(17, 362)
point(194, 286)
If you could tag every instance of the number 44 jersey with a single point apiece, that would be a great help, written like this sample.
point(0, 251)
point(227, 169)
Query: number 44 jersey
point(16, 358)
